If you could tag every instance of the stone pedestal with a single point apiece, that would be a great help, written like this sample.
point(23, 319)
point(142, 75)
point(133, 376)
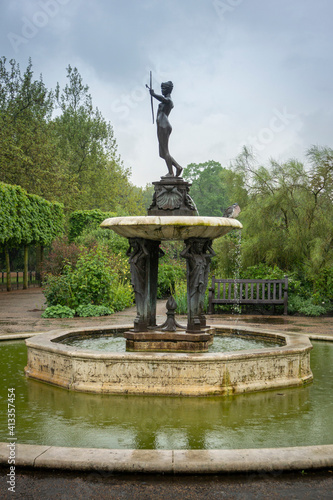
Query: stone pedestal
point(169, 341)
point(171, 197)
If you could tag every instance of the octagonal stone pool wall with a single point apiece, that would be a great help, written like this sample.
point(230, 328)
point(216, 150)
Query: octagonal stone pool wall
point(185, 374)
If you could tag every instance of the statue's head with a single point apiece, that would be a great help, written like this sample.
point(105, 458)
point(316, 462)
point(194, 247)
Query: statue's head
point(167, 88)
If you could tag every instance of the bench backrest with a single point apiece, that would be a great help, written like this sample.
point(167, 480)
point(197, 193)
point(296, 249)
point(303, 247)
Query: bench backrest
point(248, 291)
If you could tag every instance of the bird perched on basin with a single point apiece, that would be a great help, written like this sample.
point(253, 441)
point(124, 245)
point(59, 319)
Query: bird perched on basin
point(233, 211)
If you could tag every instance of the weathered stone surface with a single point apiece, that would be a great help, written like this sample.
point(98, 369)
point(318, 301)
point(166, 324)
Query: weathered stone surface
point(168, 341)
point(171, 227)
point(169, 373)
point(172, 461)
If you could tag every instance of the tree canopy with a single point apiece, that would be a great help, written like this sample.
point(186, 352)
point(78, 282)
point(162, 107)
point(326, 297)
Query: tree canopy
point(57, 145)
point(214, 188)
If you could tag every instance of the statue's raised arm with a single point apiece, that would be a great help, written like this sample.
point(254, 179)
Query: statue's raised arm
point(164, 128)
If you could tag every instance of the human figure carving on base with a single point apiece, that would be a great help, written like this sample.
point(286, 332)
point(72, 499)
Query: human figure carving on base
point(138, 255)
point(198, 254)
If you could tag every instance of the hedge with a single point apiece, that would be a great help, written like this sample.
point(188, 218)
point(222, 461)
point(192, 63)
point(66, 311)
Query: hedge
point(80, 219)
point(27, 219)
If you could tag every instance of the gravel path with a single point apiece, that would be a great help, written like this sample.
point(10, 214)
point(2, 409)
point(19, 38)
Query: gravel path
point(20, 312)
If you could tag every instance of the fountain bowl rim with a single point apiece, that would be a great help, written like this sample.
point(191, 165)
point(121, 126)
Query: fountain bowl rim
point(171, 227)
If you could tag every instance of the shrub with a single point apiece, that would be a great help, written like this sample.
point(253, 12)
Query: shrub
point(122, 296)
point(58, 289)
point(297, 304)
point(91, 237)
point(168, 275)
point(79, 220)
point(263, 272)
point(323, 283)
point(60, 254)
point(97, 279)
point(91, 310)
point(58, 311)
point(180, 296)
point(93, 278)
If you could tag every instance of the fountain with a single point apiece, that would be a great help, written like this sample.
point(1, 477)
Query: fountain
point(170, 358)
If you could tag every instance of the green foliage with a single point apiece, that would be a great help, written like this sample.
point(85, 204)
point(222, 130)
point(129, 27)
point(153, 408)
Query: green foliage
point(85, 311)
point(110, 240)
point(58, 311)
point(97, 278)
point(92, 278)
point(214, 188)
point(262, 272)
point(58, 289)
point(29, 152)
point(122, 295)
point(288, 220)
point(88, 148)
point(227, 261)
point(60, 254)
point(172, 268)
point(208, 189)
point(288, 224)
point(168, 275)
point(180, 296)
point(27, 219)
point(80, 219)
point(322, 283)
point(297, 304)
point(71, 157)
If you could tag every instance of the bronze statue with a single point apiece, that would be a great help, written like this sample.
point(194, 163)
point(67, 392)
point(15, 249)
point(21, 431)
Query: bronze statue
point(198, 254)
point(164, 128)
point(138, 255)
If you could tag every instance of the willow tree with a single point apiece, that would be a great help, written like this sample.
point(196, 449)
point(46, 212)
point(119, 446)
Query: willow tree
point(289, 217)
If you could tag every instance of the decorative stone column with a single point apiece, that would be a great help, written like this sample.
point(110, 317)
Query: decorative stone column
point(198, 253)
point(143, 258)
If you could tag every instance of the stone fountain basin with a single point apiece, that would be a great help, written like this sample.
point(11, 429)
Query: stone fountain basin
point(171, 227)
point(201, 374)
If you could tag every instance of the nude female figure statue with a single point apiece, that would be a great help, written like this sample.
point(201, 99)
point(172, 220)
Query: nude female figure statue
point(164, 128)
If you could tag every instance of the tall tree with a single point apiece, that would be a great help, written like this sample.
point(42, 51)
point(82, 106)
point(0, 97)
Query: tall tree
point(213, 187)
point(29, 153)
point(89, 148)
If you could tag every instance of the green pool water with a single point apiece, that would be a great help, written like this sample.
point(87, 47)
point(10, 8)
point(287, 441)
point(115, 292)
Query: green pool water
point(53, 416)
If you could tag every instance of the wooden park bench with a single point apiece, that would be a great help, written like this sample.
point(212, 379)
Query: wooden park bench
point(244, 291)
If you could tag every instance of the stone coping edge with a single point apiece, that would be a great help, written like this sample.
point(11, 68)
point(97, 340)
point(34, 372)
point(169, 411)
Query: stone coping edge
point(311, 336)
point(170, 461)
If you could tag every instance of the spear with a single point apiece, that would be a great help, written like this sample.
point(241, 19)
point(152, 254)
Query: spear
point(151, 97)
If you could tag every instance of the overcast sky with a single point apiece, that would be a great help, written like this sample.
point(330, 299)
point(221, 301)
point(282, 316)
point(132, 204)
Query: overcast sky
point(245, 72)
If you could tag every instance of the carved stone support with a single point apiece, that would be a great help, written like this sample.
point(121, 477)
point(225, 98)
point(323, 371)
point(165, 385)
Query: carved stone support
point(143, 258)
point(198, 253)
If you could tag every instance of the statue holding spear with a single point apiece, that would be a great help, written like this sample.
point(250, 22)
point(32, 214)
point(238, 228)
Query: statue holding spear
point(164, 128)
